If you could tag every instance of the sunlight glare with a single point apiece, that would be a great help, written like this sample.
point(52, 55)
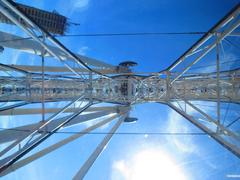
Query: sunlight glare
point(150, 164)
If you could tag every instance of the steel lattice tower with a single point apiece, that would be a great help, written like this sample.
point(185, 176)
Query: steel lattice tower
point(83, 84)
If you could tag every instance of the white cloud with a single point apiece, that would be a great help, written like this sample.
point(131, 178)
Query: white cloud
point(80, 4)
point(83, 50)
point(68, 8)
point(187, 144)
point(184, 144)
point(4, 121)
point(176, 123)
point(15, 57)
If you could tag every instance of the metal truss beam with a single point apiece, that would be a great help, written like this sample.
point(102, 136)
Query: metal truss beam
point(29, 23)
point(30, 46)
point(10, 107)
point(63, 69)
point(38, 127)
point(216, 136)
point(24, 131)
point(31, 111)
point(227, 19)
point(56, 146)
point(217, 123)
point(208, 49)
point(12, 68)
point(8, 161)
point(42, 42)
point(125, 89)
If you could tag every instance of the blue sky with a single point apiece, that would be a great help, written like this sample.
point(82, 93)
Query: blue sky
point(198, 157)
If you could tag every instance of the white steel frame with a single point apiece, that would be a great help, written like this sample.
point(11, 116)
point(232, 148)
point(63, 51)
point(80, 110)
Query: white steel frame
point(44, 44)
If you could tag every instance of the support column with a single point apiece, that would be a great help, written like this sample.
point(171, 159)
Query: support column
point(218, 79)
point(86, 166)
